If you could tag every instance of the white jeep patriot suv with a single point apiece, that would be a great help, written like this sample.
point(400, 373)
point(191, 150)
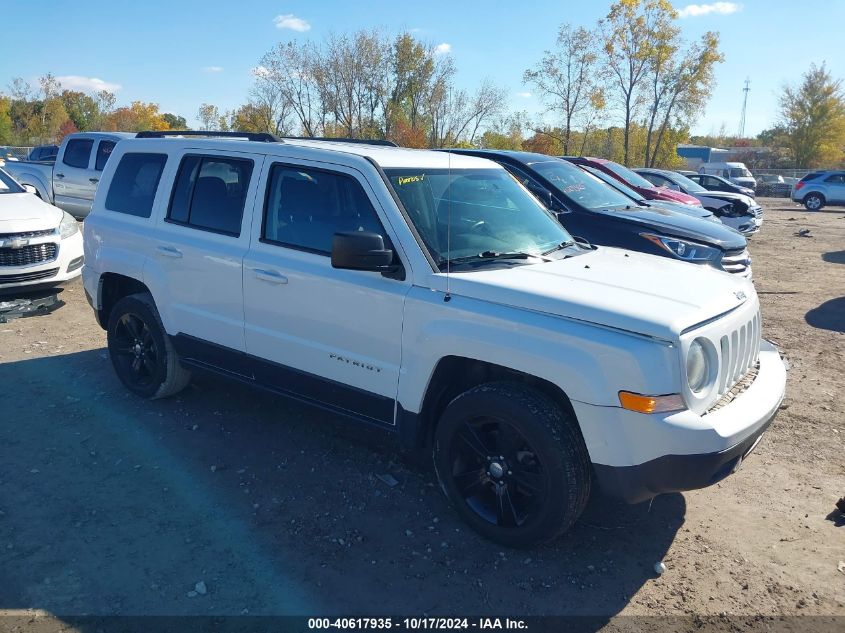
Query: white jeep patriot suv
point(432, 295)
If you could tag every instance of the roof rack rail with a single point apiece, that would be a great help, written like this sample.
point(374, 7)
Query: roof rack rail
point(261, 137)
point(359, 141)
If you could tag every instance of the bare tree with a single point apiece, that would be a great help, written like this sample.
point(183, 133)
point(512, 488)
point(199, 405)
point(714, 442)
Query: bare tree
point(567, 76)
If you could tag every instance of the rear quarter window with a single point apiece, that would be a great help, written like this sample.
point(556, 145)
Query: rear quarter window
point(134, 184)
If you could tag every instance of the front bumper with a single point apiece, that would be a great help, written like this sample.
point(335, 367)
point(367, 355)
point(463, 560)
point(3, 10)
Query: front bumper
point(637, 456)
point(66, 265)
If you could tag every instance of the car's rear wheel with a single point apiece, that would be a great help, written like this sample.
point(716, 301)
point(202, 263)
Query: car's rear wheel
point(140, 350)
point(813, 202)
point(513, 463)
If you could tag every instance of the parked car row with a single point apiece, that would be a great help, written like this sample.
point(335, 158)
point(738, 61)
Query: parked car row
point(475, 303)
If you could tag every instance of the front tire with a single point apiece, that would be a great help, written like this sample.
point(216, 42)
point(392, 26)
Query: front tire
point(513, 463)
point(141, 352)
point(813, 202)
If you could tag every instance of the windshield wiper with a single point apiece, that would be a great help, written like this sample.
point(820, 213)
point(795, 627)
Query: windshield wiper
point(490, 256)
point(559, 247)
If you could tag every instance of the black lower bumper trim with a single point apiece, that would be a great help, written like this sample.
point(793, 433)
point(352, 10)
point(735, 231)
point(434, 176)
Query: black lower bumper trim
point(674, 473)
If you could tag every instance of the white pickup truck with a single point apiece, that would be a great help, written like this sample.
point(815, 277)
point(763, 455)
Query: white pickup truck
point(70, 183)
point(432, 295)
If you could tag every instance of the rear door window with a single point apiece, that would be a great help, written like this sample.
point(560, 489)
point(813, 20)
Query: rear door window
point(210, 193)
point(104, 150)
point(78, 152)
point(133, 187)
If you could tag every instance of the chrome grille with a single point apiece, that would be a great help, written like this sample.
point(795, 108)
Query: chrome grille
point(739, 351)
point(28, 255)
point(26, 235)
point(757, 211)
point(736, 262)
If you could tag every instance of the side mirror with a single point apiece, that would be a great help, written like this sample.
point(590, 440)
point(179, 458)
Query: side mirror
point(30, 189)
point(673, 187)
point(361, 250)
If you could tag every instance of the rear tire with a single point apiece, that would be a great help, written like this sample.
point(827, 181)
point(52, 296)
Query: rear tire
point(813, 202)
point(141, 352)
point(513, 463)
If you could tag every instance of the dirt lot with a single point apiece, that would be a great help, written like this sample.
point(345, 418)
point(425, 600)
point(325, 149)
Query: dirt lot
point(113, 505)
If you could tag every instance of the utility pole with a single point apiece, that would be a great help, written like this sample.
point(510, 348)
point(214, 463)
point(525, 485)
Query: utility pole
point(746, 90)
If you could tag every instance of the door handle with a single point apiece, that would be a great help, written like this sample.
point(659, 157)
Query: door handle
point(60, 175)
point(94, 180)
point(169, 251)
point(270, 275)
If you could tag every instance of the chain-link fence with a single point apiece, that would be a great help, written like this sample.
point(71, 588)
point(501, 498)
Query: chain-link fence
point(14, 153)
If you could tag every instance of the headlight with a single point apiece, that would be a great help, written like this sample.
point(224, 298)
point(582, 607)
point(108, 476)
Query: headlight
point(682, 249)
point(698, 367)
point(69, 226)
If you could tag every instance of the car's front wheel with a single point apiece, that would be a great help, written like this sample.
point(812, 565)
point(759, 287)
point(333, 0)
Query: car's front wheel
point(141, 351)
point(513, 463)
point(813, 202)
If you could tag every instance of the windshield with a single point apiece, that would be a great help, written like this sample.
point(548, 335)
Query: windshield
point(8, 185)
point(689, 185)
point(579, 186)
point(632, 178)
point(739, 172)
point(468, 212)
point(612, 182)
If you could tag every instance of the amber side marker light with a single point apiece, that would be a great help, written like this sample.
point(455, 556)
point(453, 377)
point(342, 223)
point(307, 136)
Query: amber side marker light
point(651, 404)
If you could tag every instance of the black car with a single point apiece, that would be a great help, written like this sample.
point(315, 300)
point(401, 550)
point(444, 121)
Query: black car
point(602, 215)
point(717, 183)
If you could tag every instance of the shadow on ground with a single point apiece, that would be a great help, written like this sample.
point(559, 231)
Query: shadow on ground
point(114, 505)
point(834, 257)
point(828, 316)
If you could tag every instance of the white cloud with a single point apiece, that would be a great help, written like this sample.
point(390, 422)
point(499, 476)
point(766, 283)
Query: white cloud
point(212, 69)
point(87, 84)
point(290, 21)
point(524, 95)
point(260, 71)
point(721, 8)
point(443, 49)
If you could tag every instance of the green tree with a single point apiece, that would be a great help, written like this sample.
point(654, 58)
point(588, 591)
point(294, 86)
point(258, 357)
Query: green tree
point(5, 120)
point(82, 109)
point(175, 122)
point(813, 114)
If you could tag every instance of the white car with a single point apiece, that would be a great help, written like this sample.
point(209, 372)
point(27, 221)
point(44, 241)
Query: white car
point(432, 295)
point(40, 245)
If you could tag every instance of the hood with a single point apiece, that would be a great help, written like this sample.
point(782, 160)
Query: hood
point(673, 224)
point(745, 181)
point(687, 209)
point(730, 196)
point(639, 293)
point(21, 212)
point(664, 193)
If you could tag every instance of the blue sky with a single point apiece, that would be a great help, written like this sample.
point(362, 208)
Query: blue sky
point(182, 53)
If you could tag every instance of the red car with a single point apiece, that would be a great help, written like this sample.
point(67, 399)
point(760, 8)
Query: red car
point(634, 180)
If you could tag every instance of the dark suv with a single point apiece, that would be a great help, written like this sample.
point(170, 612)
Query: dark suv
point(602, 215)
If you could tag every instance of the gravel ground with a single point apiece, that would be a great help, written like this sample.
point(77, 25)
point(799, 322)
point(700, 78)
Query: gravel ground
point(113, 505)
